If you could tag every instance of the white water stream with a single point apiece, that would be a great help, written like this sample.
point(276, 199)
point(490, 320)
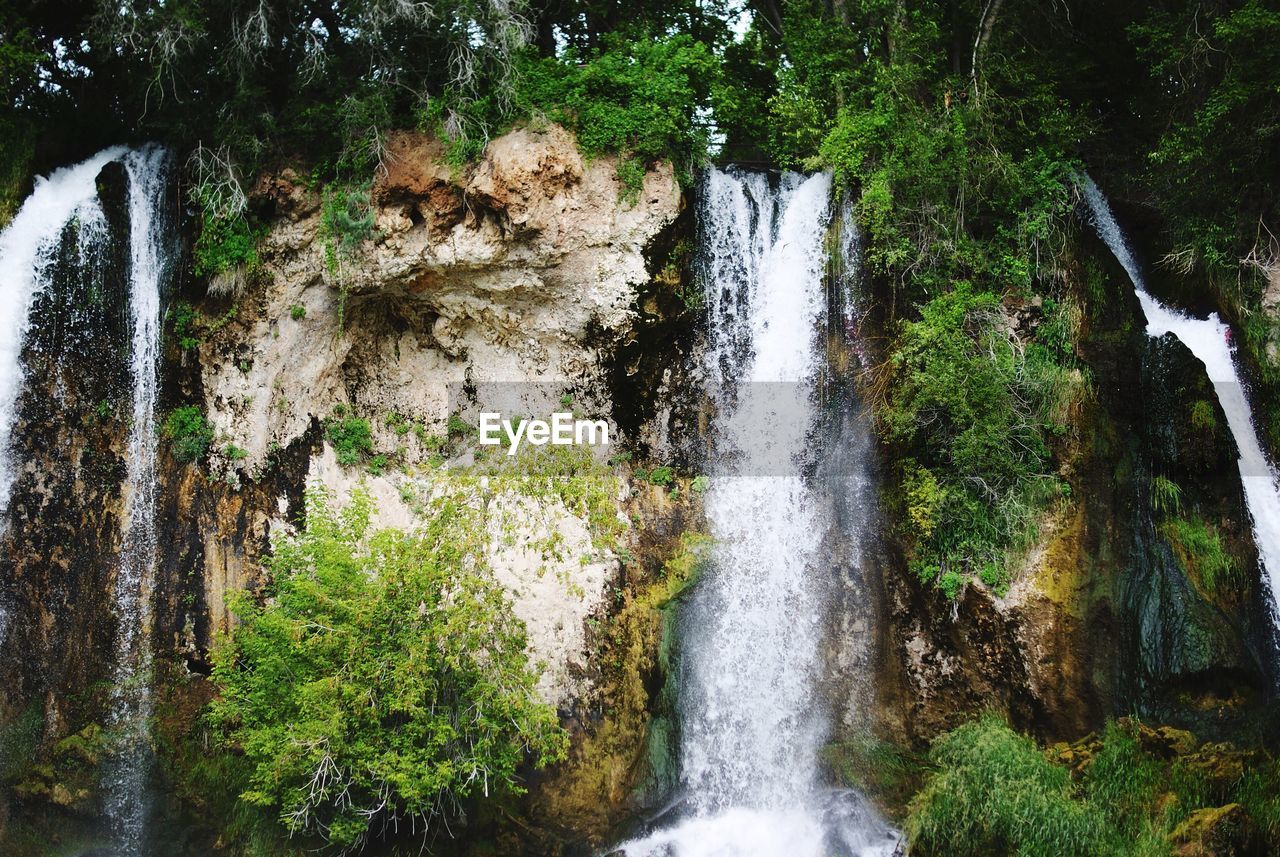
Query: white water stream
point(28, 249)
point(1209, 340)
point(752, 721)
point(152, 249)
point(28, 246)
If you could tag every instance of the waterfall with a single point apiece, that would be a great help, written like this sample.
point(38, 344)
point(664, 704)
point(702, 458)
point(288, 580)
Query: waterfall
point(152, 246)
point(28, 246)
point(752, 723)
point(850, 261)
point(1209, 340)
point(29, 249)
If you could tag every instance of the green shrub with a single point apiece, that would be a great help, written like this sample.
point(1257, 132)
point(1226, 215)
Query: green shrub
point(637, 97)
point(185, 318)
point(385, 678)
point(1207, 182)
point(346, 221)
point(971, 410)
point(399, 424)
point(224, 243)
point(235, 453)
point(1202, 416)
point(297, 312)
point(456, 426)
point(188, 432)
point(951, 583)
point(995, 793)
point(351, 437)
point(661, 475)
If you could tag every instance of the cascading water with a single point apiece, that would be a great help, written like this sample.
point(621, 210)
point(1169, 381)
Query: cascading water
point(152, 246)
point(751, 720)
point(1209, 340)
point(28, 247)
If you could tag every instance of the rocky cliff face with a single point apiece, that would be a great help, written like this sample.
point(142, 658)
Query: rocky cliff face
point(507, 285)
point(514, 284)
point(522, 269)
point(1112, 610)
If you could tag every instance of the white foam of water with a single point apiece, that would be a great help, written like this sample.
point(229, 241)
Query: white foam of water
point(151, 247)
point(27, 247)
point(751, 724)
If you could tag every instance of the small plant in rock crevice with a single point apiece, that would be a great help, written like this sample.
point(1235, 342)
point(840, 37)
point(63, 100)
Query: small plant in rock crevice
point(351, 437)
point(346, 222)
point(188, 432)
point(1166, 496)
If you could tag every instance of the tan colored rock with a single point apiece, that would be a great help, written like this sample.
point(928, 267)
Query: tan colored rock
point(524, 268)
point(288, 194)
point(418, 178)
point(1220, 766)
point(527, 174)
point(1164, 742)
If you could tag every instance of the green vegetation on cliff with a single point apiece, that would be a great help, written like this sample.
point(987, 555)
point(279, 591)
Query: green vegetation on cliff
point(1133, 791)
point(959, 151)
point(972, 406)
point(956, 124)
point(383, 680)
point(188, 432)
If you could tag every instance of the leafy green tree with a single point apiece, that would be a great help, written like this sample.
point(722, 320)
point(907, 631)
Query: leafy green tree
point(1214, 161)
point(382, 679)
point(641, 97)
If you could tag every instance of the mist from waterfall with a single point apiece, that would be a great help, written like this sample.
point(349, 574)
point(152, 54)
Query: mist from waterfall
point(752, 718)
point(1209, 340)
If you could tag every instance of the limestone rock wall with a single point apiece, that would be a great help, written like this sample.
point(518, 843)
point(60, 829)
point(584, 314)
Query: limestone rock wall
point(521, 269)
point(507, 285)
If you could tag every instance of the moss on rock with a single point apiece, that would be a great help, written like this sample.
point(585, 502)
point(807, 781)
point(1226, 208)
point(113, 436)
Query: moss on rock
point(623, 759)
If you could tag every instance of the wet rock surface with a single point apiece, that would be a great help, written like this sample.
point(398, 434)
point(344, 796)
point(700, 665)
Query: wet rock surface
point(1110, 611)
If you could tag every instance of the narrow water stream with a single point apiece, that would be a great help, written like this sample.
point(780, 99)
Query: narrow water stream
point(152, 250)
point(1209, 339)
